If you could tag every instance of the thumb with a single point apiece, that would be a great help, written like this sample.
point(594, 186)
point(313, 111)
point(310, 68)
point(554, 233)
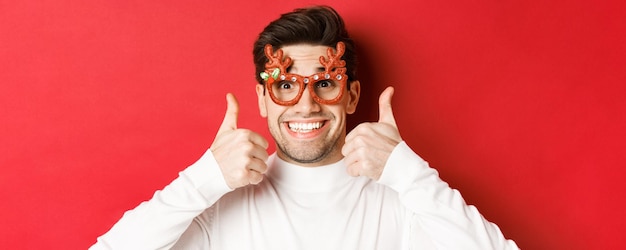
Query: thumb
point(232, 112)
point(385, 113)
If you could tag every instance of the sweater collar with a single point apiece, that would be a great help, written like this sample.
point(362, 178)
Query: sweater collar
point(307, 179)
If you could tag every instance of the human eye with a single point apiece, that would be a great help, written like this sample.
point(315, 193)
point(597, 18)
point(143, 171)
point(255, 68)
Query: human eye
point(285, 85)
point(324, 84)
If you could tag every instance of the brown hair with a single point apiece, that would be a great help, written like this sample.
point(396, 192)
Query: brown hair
point(317, 25)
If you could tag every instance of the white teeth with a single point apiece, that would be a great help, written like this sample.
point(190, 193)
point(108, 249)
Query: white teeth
point(304, 127)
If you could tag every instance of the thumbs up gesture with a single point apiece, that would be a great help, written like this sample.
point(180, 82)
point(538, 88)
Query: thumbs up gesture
point(240, 153)
point(369, 145)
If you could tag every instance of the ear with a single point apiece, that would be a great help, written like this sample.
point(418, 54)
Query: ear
point(260, 94)
point(353, 96)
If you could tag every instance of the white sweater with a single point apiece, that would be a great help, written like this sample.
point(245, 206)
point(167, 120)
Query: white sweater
point(295, 207)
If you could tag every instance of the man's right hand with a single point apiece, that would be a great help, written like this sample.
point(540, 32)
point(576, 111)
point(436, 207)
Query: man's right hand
point(240, 153)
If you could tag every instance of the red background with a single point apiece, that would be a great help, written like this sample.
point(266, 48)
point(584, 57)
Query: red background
point(518, 104)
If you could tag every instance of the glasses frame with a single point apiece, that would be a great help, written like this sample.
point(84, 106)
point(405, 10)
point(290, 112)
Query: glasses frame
point(334, 70)
point(337, 75)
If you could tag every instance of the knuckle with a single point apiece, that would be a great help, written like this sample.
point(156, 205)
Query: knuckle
point(246, 146)
point(246, 162)
point(364, 152)
point(263, 156)
point(367, 166)
point(357, 150)
point(240, 174)
point(363, 128)
point(262, 167)
point(360, 140)
point(358, 129)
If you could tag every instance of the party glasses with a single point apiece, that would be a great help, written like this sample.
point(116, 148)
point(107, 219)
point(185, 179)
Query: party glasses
point(286, 89)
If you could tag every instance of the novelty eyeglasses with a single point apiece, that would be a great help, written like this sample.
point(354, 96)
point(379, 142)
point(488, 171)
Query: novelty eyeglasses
point(286, 89)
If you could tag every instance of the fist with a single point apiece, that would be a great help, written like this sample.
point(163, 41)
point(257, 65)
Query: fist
point(240, 153)
point(369, 145)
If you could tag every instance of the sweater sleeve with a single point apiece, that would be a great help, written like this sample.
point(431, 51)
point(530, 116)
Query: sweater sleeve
point(437, 210)
point(159, 222)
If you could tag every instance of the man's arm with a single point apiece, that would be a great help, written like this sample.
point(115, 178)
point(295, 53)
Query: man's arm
point(439, 213)
point(159, 222)
point(236, 159)
point(438, 210)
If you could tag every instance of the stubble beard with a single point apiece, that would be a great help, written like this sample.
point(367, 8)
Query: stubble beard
point(305, 152)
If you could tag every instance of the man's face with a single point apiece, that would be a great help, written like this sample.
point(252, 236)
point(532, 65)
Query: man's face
point(308, 133)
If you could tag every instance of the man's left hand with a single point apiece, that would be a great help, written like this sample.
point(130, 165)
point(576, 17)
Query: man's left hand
point(369, 145)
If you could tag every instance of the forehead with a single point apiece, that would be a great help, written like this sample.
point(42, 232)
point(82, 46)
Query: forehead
point(305, 57)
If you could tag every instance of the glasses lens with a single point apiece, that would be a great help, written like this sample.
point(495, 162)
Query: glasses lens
point(285, 90)
point(327, 89)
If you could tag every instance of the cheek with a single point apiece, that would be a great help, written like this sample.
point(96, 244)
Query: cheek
point(339, 113)
point(273, 112)
point(270, 110)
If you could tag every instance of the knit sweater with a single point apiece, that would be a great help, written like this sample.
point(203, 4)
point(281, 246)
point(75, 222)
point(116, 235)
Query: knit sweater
point(297, 207)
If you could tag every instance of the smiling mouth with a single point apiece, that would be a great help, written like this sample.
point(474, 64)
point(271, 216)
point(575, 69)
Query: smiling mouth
point(304, 127)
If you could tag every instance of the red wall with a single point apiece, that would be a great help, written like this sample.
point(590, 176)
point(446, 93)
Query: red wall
point(518, 104)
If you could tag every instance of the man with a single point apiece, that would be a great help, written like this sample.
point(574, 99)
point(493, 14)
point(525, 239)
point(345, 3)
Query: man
point(322, 189)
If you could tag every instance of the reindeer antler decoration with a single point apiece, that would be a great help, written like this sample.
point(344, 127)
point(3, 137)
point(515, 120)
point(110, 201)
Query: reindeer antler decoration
point(334, 70)
point(280, 65)
point(334, 59)
point(276, 62)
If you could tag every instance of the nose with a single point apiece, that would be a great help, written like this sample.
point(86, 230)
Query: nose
point(307, 104)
